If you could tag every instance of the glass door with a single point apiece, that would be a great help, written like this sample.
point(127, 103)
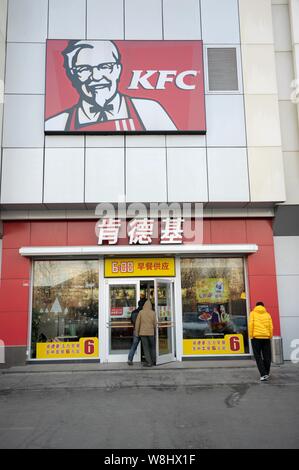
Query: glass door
point(164, 306)
point(122, 297)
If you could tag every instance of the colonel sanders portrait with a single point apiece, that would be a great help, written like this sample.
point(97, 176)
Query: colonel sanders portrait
point(94, 69)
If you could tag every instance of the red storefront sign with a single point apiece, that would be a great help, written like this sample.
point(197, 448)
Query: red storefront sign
point(124, 86)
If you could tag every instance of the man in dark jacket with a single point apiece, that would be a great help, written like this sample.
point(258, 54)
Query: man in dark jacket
point(136, 339)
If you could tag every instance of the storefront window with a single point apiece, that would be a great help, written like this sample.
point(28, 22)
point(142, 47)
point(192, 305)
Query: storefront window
point(214, 306)
point(65, 309)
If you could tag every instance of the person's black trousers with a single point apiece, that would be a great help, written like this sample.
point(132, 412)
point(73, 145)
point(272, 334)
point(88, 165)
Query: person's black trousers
point(262, 354)
point(149, 348)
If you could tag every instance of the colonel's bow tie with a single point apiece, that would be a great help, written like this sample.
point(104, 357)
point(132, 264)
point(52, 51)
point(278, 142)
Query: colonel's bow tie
point(103, 110)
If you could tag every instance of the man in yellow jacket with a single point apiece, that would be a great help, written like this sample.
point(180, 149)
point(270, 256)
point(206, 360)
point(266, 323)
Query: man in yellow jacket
point(260, 333)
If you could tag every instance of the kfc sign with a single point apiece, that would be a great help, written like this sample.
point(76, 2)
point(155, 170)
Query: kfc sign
point(124, 86)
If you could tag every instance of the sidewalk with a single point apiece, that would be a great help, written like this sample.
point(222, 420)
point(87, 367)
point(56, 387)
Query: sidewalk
point(181, 405)
point(120, 375)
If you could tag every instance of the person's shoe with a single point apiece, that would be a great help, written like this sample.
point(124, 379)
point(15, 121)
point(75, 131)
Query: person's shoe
point(263, 378)
point(145, 364)
point(267, 376)
point(130, 363)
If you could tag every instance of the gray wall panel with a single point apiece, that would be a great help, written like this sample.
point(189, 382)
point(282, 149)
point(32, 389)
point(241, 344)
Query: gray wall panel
point(22, 176)
point(27, 20)
point(181, 20)
point(143, 19)
point(287, 255)
point(67, 19)
point(23, 121)
point(220, 21)
point(105, 19)
point(286, 222)
point(20, 77)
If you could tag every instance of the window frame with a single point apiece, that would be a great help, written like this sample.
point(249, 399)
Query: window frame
point(246, 286)
point(29, 358)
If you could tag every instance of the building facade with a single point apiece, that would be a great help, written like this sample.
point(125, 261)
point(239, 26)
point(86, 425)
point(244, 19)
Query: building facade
point(67, 291)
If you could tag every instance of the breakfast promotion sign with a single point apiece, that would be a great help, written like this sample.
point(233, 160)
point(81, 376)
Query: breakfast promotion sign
point(124, 86)
point(212, 290)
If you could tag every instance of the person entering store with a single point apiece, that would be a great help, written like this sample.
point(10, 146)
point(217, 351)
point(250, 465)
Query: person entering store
point(136, 338)
point(145, 327)
point(260, 333)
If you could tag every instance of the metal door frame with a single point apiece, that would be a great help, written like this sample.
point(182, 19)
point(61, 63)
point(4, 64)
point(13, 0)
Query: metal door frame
point(108, 357)
point(170, 357)
point(104, 305)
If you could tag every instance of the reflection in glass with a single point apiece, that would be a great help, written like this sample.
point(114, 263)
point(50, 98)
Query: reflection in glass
point(213, 298)
point(122, 303)
point(65, 301)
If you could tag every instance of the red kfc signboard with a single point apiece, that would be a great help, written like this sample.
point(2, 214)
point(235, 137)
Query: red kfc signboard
point(124, 86)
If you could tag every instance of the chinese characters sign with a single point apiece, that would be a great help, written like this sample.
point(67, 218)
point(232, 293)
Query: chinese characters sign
point(230, 344)
point(84, 348)
point(140, 231)
point(139, 267)
point(124, 86)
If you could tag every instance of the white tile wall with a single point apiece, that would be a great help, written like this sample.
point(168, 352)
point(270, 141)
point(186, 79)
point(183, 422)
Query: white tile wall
point(64, 141)
point(281, 28)
point(291, 170)
point(1, 121)
point(288, 299)
point(289, 126)
point(255, 21)
point(225, 121)
point(266, 174)
point(64, 176)
point(187, 175)
point(262, 121)
point(294, 15)
point(105, 141)
point(21, 77)
point(67, 19)
point(180, 140)
point(22, 176)
point(3, 8)
point(220, 21)
point(228, 174)
point(23, 121)
point(104, 175)
point(287, 269)
point(27, 20)
point(143, 19)
point(259, 69)
point(285, 74)
point(181, 20)
point(146, 175)
point(145, 141)
point(287, 256)
point(149, 176)
point(105, 19)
